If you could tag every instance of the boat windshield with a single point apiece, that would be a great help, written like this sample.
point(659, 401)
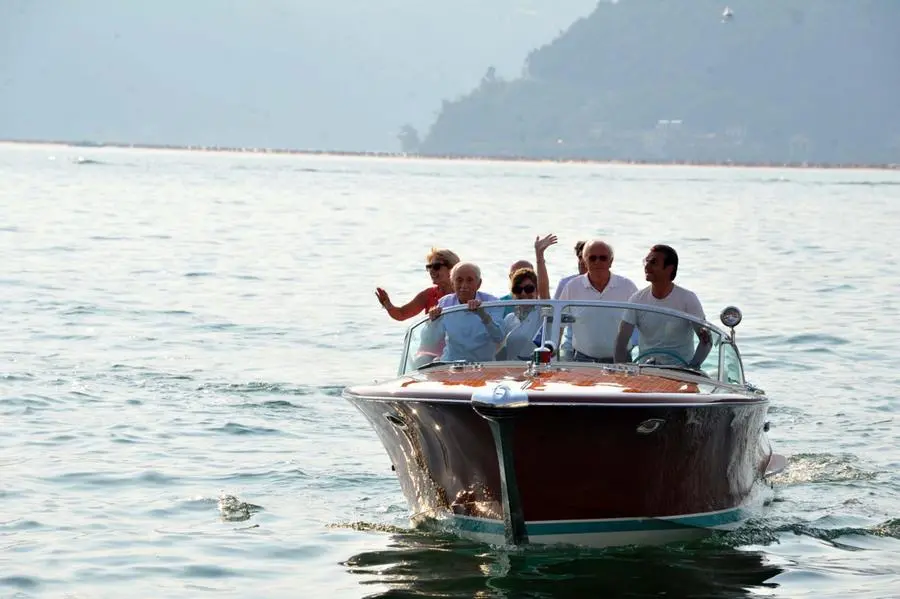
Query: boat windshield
point(580, 331)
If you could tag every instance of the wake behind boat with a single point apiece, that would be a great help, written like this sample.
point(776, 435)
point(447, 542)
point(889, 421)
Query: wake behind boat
point(550, 450)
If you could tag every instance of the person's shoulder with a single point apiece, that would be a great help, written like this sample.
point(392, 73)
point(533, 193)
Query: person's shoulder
point(690, 302)
point(447, 300)
point(574, 283)
point(487, 297)
point(640, 294)
point(686, 293)
point(567, 279)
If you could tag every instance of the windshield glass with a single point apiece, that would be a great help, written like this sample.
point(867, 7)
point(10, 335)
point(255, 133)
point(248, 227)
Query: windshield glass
point(604, 332)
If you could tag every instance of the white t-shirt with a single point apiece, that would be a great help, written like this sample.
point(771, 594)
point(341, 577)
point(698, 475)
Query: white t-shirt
point(595, 329)
point(664, 332)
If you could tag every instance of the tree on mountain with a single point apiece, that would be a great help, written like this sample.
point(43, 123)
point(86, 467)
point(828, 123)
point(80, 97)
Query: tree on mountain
point(409, 139)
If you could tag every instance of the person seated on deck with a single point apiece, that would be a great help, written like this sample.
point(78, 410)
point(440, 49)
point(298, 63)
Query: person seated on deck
point(594, 330)
point(472, 335)
point(438, 263)
point(667, 339)
point(523, 325)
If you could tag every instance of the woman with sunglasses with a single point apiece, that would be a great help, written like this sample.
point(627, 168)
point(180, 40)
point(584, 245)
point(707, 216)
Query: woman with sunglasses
point(438, 263)
point(523, 324)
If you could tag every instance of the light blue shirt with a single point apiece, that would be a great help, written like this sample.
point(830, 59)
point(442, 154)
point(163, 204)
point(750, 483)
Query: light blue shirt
point(466, 336)
point(562, 285)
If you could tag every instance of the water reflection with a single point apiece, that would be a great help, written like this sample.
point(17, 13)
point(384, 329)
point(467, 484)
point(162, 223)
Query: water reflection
point(417, 564)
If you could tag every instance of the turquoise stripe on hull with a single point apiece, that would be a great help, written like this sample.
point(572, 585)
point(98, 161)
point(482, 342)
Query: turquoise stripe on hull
point(538, 529)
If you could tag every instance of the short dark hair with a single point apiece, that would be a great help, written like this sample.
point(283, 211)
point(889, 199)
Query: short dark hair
point(670, 257)
point(579, 246)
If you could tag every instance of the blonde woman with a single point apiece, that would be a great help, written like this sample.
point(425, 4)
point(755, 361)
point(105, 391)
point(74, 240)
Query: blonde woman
point(438, 263)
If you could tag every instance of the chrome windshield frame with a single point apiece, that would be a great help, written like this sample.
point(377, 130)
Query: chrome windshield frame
point(556, 325)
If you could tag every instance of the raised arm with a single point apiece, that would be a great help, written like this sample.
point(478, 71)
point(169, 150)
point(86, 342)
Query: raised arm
point(540, 246)
point(408, 310)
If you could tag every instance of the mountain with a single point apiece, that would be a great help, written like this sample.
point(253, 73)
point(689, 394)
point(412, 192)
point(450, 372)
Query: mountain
point(304, 74)
point(778, 81)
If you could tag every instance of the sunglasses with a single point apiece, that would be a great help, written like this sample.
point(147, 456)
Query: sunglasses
point(435, 266)
point(601, 258)
point(523, 289)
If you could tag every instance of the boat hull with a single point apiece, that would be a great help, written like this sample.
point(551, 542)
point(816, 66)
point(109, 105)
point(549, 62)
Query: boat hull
point(590, 473)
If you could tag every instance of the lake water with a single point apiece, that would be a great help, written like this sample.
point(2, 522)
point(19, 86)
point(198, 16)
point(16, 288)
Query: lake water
point(177, 328)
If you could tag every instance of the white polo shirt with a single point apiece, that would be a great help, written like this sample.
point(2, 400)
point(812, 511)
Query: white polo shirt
point(594, 330)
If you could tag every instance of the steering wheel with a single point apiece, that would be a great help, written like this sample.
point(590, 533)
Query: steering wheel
point(663, 352)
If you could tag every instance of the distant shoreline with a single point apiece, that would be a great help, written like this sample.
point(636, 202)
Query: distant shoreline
point(488, 158)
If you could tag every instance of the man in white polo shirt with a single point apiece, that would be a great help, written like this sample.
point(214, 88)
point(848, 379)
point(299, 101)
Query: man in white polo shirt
point(594, 330)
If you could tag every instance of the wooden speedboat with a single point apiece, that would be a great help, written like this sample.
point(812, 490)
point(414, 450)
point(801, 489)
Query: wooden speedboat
point(550, 450)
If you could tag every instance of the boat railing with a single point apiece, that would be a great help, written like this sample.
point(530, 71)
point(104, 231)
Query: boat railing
point(558, 320)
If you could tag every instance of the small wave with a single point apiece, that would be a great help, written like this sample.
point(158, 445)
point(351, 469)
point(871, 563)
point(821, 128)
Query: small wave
point(866, 183)
point(206, 571)
point(277, 404)
point(102, 479)
point(199, 273)
point(20, 582)
point(233, 428)
point(817, 340)
point(80, 309)
point(20, 525)
point(369, 527)
point(780, 365)
point(833, 288)
point(821, 468)
point(83, 160)
point(889, 529)
point(255, 387)
point(29, 401)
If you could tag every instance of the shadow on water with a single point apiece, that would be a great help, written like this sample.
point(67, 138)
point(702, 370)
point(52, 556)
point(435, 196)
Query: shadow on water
point(420, 565)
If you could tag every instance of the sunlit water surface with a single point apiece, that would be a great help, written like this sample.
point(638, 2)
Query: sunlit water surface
point(177, 328)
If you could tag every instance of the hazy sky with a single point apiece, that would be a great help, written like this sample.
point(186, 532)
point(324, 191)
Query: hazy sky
point(326, 74)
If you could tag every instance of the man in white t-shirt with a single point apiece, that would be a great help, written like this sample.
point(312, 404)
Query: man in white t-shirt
point(594, 330)
point(668, 339)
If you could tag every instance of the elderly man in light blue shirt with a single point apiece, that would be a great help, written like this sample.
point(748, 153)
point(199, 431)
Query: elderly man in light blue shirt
point(472, 335)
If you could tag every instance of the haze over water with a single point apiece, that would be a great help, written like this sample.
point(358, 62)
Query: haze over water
point(178, 327)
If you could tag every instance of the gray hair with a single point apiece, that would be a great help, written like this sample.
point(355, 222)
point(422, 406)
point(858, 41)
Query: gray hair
point(590, 242)
point(459, 265)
